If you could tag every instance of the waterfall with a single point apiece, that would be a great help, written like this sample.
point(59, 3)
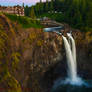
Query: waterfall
point(73, 46)
point(70, 49)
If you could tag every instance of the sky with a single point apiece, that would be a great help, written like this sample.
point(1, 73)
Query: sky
point(18, 2)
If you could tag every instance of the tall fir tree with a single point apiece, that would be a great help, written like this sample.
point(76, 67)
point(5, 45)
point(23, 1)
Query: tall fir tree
point(41, 7)
point(32, 14)
point(47, 5)
point(27, 10)
point(52, 5)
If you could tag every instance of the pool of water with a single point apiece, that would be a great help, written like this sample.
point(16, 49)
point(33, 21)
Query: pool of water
point(62, 87)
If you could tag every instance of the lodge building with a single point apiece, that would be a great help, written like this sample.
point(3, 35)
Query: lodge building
point(18, 10)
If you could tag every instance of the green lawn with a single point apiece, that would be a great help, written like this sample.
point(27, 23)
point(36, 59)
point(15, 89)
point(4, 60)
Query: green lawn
point(25, 22)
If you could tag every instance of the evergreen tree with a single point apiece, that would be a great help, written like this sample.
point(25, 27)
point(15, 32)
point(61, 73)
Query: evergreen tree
point(52, 5)
point(77, 13)
point(47, 5)
point(41, 7)
point(37, 8)
point(26, 10)
point(32, 14)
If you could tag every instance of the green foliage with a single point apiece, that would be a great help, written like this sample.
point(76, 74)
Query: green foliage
point(25, 22)
point(89, 15)
point(7, 82)
point(77, 13)
point(47, 6)
point(40, 43)
point(27, 11)
point(11, 84)
point(15, 59)
point(3, 40)
point(52, 5)
point(58, 17)
point(32, 14)
point(32, 37)
point(36, 37)
point(41, 6)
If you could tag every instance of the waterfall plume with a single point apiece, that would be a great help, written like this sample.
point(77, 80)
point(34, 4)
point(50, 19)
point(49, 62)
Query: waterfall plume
point(70, 49)
point(73, 47)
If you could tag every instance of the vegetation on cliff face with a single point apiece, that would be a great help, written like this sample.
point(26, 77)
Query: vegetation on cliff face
point(7, 82)
point(24, 55)
point(15, 59)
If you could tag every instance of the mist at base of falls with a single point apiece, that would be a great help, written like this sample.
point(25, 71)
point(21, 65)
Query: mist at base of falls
point(72, 83)
point(62, 86)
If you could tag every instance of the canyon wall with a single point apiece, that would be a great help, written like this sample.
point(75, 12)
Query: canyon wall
point(31, 60)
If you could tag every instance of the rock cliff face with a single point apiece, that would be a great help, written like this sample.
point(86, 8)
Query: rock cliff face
point(31, 60)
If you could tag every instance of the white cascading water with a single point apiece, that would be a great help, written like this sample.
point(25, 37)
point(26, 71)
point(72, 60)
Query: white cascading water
point(73, 47)
point(71, 60)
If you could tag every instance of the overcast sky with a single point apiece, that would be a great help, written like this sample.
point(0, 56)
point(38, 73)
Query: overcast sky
point(20, 2)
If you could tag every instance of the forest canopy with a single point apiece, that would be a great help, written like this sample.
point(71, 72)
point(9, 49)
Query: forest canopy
point(77, 13)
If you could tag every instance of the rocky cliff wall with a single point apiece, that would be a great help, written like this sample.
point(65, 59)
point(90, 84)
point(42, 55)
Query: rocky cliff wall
point(31, 60)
